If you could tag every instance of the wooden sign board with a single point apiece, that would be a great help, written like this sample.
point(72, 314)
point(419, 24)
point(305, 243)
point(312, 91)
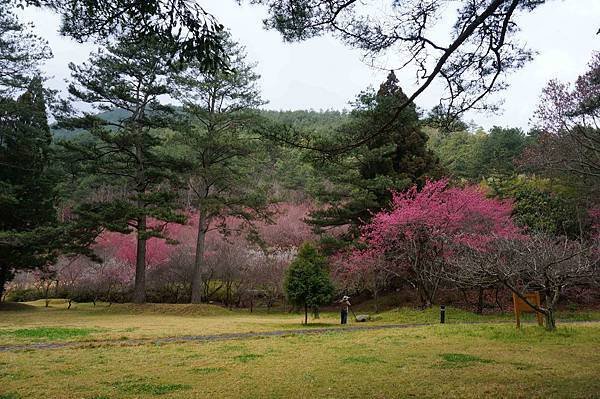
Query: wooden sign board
point(521, 306)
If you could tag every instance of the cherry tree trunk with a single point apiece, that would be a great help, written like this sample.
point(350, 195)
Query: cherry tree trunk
point(551, 300)
point(46, 294)
point(480, 301)
point(550, 320)
point(425, 296)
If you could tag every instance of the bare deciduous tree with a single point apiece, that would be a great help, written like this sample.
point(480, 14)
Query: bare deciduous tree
point(569, 119)
point(537, 263)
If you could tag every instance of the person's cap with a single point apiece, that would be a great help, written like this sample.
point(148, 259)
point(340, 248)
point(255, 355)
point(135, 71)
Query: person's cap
point(345, 298)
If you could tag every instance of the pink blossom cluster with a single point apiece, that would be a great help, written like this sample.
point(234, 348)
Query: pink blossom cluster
point(442, 212)
point(288, 230)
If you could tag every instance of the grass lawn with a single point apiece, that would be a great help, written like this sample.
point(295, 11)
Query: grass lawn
point(32, 322)
point(434, 361)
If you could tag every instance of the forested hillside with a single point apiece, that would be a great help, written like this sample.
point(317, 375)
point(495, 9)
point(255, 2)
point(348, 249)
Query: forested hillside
point(312, 197)
point(139, 200)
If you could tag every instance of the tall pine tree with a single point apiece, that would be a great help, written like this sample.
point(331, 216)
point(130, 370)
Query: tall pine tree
point(131, 76)
point(30, 234)
point(226, 158)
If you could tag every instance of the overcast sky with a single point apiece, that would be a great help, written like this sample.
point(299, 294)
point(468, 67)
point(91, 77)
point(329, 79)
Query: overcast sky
point(322, 73)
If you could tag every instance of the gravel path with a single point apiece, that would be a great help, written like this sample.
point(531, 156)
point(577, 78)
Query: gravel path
point(226, 337)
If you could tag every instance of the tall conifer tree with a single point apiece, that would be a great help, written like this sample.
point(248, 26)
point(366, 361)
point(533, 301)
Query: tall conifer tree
point(359, 182)
point(130, 75)
point(27, 193)
point(227, 159)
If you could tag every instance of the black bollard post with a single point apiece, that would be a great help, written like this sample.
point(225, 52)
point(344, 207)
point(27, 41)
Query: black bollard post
point(442, 314)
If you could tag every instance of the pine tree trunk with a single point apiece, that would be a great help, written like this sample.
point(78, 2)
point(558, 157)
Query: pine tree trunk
point(199, 261)
point(305, 314)
point(139, 292)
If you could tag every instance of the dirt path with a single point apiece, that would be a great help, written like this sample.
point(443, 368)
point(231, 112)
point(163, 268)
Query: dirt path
point(231, 336)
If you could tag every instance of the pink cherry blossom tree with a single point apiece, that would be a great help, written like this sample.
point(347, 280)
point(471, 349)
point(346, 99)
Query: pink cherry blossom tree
point(288, 229)
point(238, 259)
point(410, 240)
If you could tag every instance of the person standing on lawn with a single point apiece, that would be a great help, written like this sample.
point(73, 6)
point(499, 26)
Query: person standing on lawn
point(344, 306)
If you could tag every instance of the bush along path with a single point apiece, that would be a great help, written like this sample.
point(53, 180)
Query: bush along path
point(234, 336)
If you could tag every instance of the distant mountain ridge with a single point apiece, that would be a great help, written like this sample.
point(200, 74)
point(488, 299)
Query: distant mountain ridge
point(300, 118)
point(114, 115)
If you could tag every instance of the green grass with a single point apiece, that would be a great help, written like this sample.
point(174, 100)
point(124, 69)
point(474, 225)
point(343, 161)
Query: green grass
point(85, 322)
point(458, 360)
point(487, 359)
point(434, 361)
point(247, 357)
point(461, 358)
point(32, 322)
point(47, 333)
